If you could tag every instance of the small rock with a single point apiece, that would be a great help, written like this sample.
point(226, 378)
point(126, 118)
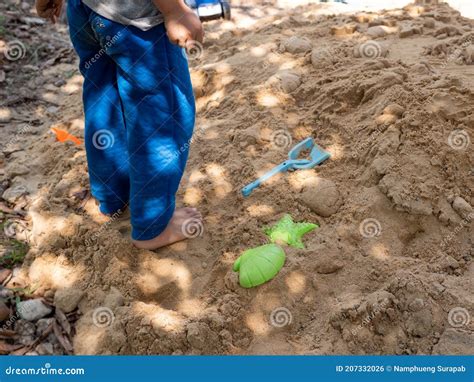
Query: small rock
point(446, 31)
point(43, 324)
point(378, 31)
point(371, 50)
point(4, 311)
point(4, 274)
point(429, 23)
point(289, 81)
point(419, 325)
point(455, 342)
point(416, 305)
point(462, 207)
point(14, 193)
point(469, 54)
point(16, 169)
point(5, 115)
point(12, 147)
point(25, 331)
point(49, 294)
point(405, 32)
point(449, 263)
point(33, 20)
point(381, 165)
point(327, 265)
point(5, 292)
point(60, 82)
point(297, 45)
point(32, 310)
point(68, 299)
point(323, 197)
point(52, 109)
point(446, 214)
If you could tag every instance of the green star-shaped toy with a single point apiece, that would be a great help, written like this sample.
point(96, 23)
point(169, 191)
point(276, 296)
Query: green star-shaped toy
point(288, 232)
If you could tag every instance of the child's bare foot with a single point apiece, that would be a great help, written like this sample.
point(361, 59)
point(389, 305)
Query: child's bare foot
point(186, 223)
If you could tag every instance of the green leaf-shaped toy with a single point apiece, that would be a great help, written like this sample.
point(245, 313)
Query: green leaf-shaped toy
point(288, 232)
point(259, 265)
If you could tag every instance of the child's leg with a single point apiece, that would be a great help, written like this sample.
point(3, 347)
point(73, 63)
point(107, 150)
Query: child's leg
point(159, 111)
point(105, 134)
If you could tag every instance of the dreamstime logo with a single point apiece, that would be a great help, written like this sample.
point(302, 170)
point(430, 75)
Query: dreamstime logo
point(103, 317)
point(281, 317)
point(15, 50)
point(110, 41)
point(9, 229)
point(459, 139)
point(458, 317)
point(281, 139)
point(192, 228)
point(370, 228)
point(103, 139)
point(194, 50)
point(370, 49)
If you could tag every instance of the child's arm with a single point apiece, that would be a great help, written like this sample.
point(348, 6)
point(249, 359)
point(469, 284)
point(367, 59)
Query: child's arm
point(49, 9)
point(182, 24)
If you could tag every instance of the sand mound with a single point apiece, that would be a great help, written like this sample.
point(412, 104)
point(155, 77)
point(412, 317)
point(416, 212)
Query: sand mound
point(389, 95)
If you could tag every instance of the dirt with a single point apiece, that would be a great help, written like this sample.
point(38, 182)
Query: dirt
point(390, 269)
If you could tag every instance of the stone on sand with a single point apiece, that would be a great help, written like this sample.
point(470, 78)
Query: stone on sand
point(289, 81)
point(297, 44)
point(379, 31)
point(13, 193)
point(68, 299)
point(32, 310)
point(327, 264)
point(462, 207)
point(323, 197)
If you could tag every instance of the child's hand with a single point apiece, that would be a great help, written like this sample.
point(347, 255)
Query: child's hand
point(182, 24)
point(49, 9)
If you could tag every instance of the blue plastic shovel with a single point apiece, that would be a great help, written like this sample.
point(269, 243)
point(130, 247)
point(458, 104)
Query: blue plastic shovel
point(317, 156)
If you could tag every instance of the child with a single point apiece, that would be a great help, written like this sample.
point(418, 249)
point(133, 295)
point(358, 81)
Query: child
point(138, 105)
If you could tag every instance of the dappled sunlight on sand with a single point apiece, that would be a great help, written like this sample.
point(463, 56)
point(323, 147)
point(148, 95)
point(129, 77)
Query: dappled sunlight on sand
point(52, 271)
point(44, 224)
point(379, 251)
point(73, 85)
point(302, 178)
point(296, 282)
point(257, 323)
point(217, 174)
point(193, 196)
point(159, 318)
point(256, 210)
point(155, 273)
point(336, 150)
point(267, 99)
point(192, 307)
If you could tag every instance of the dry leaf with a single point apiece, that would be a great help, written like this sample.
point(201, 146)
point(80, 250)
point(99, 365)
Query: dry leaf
point(62, 339)
point(63, 321)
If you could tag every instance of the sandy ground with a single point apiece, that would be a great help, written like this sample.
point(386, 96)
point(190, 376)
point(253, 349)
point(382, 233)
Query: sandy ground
point(389, 271)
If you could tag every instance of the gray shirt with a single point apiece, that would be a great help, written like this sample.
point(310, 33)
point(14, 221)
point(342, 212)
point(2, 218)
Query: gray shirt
point(142, 14)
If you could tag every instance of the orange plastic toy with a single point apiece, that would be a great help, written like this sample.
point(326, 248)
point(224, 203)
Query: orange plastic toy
point(63, 136)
